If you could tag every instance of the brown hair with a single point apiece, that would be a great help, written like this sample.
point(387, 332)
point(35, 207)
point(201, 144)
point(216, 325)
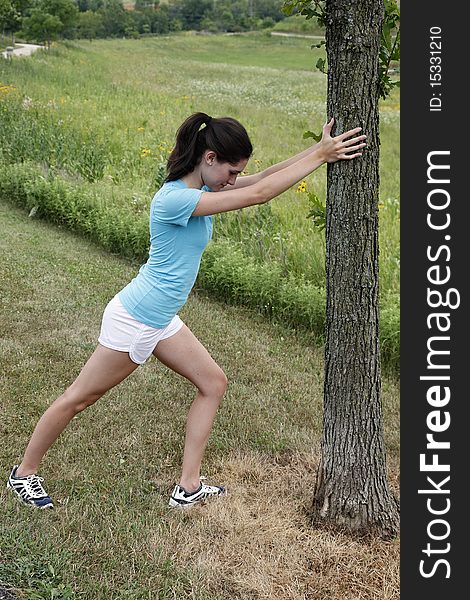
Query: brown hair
point(200, 132)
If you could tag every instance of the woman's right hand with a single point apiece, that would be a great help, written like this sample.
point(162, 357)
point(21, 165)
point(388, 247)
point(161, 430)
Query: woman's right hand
point(340, 147)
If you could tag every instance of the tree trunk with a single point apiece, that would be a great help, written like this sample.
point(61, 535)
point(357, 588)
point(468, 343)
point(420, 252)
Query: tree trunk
point(352, 490)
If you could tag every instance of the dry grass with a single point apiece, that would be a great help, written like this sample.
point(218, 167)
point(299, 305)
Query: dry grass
point(112, 536)
point(262, 545)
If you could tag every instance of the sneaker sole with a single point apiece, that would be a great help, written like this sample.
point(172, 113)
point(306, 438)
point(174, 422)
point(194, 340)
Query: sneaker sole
point(175, 504)
point(25, 503)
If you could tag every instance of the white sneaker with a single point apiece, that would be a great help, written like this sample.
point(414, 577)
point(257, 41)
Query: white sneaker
point(29, 490)
point(180, 498)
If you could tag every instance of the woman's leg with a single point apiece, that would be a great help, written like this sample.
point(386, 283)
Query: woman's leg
point(184, 354)
point(104, 369)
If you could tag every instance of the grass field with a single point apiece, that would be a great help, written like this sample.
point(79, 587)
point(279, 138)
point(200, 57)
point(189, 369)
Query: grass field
point(104, 114)
point(112, 536)
point(298, 24)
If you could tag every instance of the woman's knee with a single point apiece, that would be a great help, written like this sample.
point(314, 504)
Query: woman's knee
point(216, 385)
point(77, 400)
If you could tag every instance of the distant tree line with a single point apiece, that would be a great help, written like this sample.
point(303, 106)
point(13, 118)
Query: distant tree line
point(48, 20)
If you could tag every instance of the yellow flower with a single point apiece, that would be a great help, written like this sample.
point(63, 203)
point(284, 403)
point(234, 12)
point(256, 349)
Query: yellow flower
point(140, 128)
point(7, 88)
point(145, 152)
point(302, 187)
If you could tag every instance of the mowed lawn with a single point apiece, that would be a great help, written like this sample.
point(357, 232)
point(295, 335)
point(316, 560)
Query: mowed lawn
point(110, 474)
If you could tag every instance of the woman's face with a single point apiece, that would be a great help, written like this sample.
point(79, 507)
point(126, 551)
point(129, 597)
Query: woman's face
point(218, 175)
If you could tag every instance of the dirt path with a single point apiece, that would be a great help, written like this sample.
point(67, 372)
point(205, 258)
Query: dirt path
point(298, 35)
point(23, 50)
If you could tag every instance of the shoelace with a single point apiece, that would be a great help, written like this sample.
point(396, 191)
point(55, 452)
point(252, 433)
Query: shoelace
point(203, 491)
point(209, 490)
point(34, 487)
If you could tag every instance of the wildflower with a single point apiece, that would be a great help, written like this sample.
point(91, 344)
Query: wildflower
point(162, 113)
point(7, 89)
point(145, 152)
point(27, 102)
point(302, 187)
point(140, 128)
point(258, 162)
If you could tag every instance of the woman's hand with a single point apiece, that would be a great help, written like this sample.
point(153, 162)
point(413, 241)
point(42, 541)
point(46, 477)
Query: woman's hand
point(340, 147)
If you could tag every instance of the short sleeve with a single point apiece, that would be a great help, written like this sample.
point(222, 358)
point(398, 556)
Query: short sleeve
point(176, 206)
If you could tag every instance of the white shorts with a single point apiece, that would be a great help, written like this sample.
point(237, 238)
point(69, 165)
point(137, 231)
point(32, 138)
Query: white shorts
point(120, 331)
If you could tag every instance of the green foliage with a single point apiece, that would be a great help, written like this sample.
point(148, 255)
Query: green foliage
point(10, 14)
point(390, 37)
point(317, 211)
point(224, 15)
point(49, 19)
point(65, 10)
point(390, 333)
point(321, 65)
point(310, 134)
point(6, 12)
point(308, 8)
point(257, 232)
point(33, 132)
point(112, 19)
point(234, 277)
point(296, 24)
point(77, 208)
point(390, 47)
point(42, 27)
point(89, 25)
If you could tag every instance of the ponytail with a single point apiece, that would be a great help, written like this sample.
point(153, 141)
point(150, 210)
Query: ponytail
point(200, 132)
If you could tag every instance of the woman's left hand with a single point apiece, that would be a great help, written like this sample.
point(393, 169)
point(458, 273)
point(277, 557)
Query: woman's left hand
point(340, 147)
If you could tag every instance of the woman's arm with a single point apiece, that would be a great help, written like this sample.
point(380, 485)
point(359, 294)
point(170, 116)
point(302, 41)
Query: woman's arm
point(328, 150)
point(252, 179)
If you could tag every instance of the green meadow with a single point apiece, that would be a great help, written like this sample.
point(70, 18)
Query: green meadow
point(85, 132)
point(101, 117)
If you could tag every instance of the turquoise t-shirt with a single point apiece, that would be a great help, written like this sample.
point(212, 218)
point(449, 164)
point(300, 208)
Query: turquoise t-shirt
point(177, 241)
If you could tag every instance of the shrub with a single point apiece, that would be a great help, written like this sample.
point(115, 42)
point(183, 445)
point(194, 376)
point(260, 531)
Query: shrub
point(77, 208)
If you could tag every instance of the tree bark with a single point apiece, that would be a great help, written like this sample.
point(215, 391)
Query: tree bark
point(352, 490)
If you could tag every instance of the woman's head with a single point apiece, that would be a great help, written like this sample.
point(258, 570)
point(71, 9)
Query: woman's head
point(202, 139)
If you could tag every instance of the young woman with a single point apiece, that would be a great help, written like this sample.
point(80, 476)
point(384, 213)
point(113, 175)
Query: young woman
point(142, 319)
